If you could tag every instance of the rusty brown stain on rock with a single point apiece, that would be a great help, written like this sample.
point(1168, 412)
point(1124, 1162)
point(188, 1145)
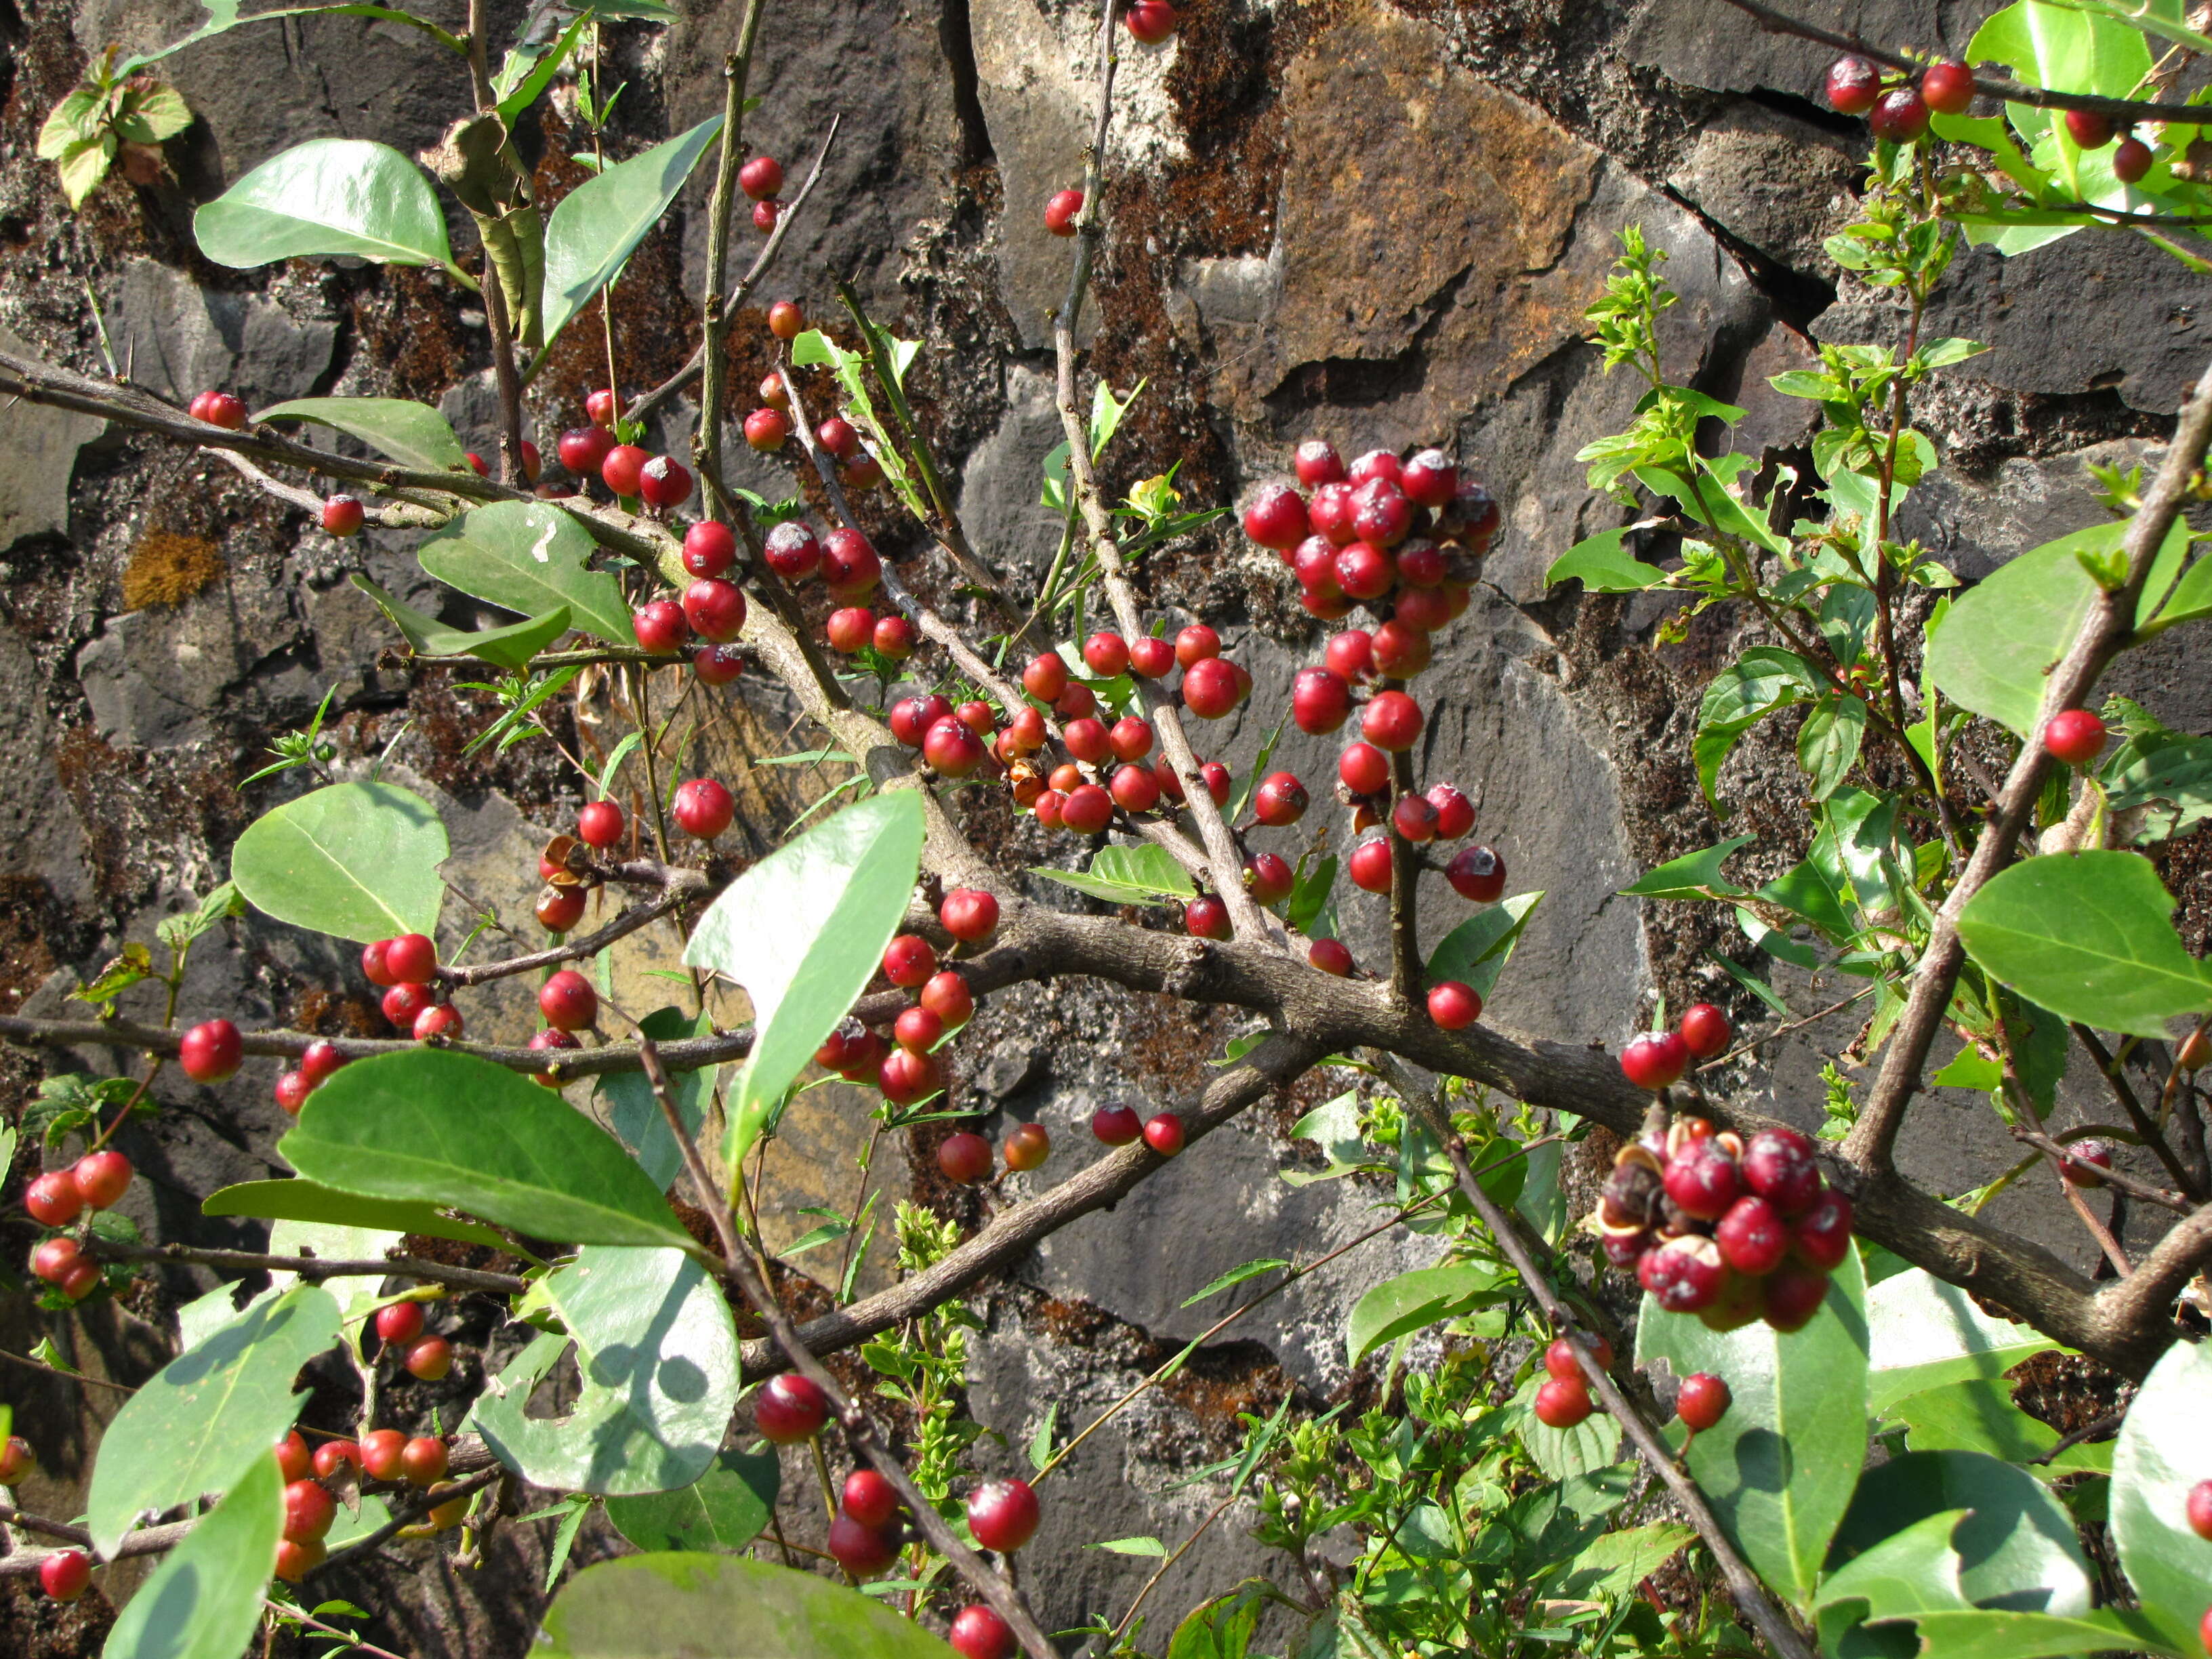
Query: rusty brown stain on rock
point(167, 568)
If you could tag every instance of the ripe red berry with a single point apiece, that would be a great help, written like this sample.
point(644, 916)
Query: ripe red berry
point(766, 430)
point(912, 717)
point(1414, 819)
point(55, 1259)
point(1562, 1402)
point(2200, 1509)
point(1086, 809)
point(1381, 514)
point(978, 1633)
point(785, 319)
point(440, 1020)
point(969, 914)
point(1822, 1236)
point(318, 1059)
point(1150, 21)
point(710, 548)
point(1477, 874)
point(2205, 1629)
point(1279, 801)
point(621, 468)
point(1276, 517)
point(1684, 1274)
point(1086, 740)
point(583, 450)
point(1135, 789)
point(80, 1281)
point(839, 436)
point(964, 1157)
point(1267, 879)
point(1706, 1029)
point(1106, 654)
point(599, 823)
point(1165, 1134)
point(1130, 738)
point(1319, 700)
point(1027, 1147)
point(2088, 128)
point(917, 1030)
point(1045, 678)
point(663, 480)
point(2082, 1161)
point(1559, 1359)
point(67, 1574)
point(869, 1498)
point(1793, 1296)
point(1900, 116)
point(1196, 643)
point(404, 1004)
point(54, 1201)
point(1062, 210)
point(1330, 957)
point(291, 1092)
point(1454, 1007)
point(1117, 1126)
point(850, 566)
point(661, 626)
point(343, 515)
point(333, 1455)
point(423, 1461)
point(399, 1321)
point(761, 177)
point(551, 1039)
point(309, 1508)
point(1752, 1237)
point(1702, 1179)
point(1703, 1401)
point(1317, 463)
point(2075, 736)
point(101, 1178)
point(952, 749)
point(910, 960)
point(849, 628)
point(2131, 161)
point(568, 1001)
point(862, 1551)
point(293, 1461)
point(1948, 88)
point(1778, 1165)
point(702, 808)
point(1655, 1060)
point(1454, 812)
point(1854, 84)
point(1003, 1515)
point(1422, 564)
point(212, 1050)
point(1429, 479)
point(789, 1408)
point(1365, 768)
point(1211, 688)
point(1392, 721)
point(1369, 865)
point(1151, 658)
point(1206, 917)
point(715, 609)
point(1365, 571)
point(718, 665)
point(373, 966)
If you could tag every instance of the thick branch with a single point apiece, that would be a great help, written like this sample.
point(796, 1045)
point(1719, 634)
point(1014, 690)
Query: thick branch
point(2143, 1300)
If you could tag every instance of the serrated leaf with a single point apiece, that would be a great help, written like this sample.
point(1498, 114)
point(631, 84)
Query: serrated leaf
point(1603, 564)
point(355, 860)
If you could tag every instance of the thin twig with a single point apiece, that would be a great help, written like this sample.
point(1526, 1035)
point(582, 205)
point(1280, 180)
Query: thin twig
point(2143, 1127)
point(353, 1642)
point(715, 315)
point(29, 1364)
point(310, 1268)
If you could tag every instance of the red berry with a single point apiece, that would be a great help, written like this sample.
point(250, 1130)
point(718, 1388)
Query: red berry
point(965, 1157)
point(1151, 658)
point(1317, 463)
point(1279, 801)
point(1319, 700)
point(1702, 1179)
point(2131, 161)
point(2082, 1161)
point(2200, 1508)
point(430, 1359)
point(549, 1039)
point(1076, 703)
point(1381, 514)
point(1655, 1060)
point(774, 393)
point(912, 717)
point(1329, 511)
point(1131, 738)
point(1165, 1134)
point(1392, 721)
point(710, 548)
point(1369, 865)
point(2075, 736)
point(1045, 678)
point(1267, 879)
point(1330, 957)
point(969, 914)
point(1365, 571)
point(101, 1178)
point(766, 430)
point(212, 1050)
point(55, 1259)
point(789, 1408)
point(1062, 210)
point(1752, 1237)
point(67, 1574)
point(1117, 1126)
point(599, 823)
point(1106, 654)
point(862, 1551)
point(718, 665)
point(1703, 1401)
point(583, 450)
point(1195, 643)
point(1212, 688)
point(2205, 1629)
point(343, 515)
point(910, 960)
point(978, 1633)
point(404, 1005)
point(1276, 517)
point(54, 1201)
point(1003, 1515)
point(1402, 650)
point(319, 1061)
point(1477, 874)
point(1135, 789)
point(1686, 1274)
point(1900, 116)
point(1559, 1359)
point(1706, 1029)
point(761, 177)
point(1429, 479)
point(1382, 463)
point(1454, 1007)
point(905, 1077)
point(1206, 917)
point(839, 436)
point(850, 567)
point(952, 749)
point(715, 609)
point(334, 1456)
point(1086, 809)
point(568, 1001)
point(1778, 1165)
point(399, 1321)
point(1414, 819)
point(1822, 1236)
point(80, 1281)
point(765, 214)
point(869, 1498)
point(917, 1030)
point(440, 1020)
point(423, 1461)
point(602, 407)
point(850, 629)
point(373, 966)
point(1027, 1147)
point(1948, 88)
point(621, 468)
point(309, 1508)
point(220, 408)
point(1365, 768)
point(2088, 128)
point(1086, 740)
point(663, 480)
point(1854, 84)
point(785, 319)
point(293, 1461)
point(661, 626)
point(1794, 1295)
point(1422, 563)
point(703, 808)
point(1454, 812)
point(410, 959)
point(1562, 1402)
point(1150, 21)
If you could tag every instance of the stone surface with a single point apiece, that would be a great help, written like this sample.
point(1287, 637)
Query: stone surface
point(36, 467)
point(1780, 186)
point(181, 340)
point(1724, 50)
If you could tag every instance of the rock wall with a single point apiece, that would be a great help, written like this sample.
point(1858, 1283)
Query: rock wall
point(1374, 224)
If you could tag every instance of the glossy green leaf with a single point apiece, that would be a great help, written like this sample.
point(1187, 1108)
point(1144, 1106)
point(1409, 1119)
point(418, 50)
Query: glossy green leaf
point(1144, 874)
point(1308, 901)
point(356, 1294)
point(657, 1355)
point(2164, 1448)
point(414, 435)
point(1923, 1334)
point(2015, 1550)
point(1828, 742)
point(304, 1200)
point(1615, 1564)
point(326, 197)
point(198, 1422)
point(1765, 680)
point(1995, 651)
point(1692, 876)
point(1476, 951)
point(1907, 1574)
point(203, 1601)
point(803, 931)
point(725, 1509)
point(440, 1127)
point(1779, 1467)
point(1413, 1301)
point(2089, 937)
point(511, 646)
point(2171, 785)
point(356, 861)
point(633, 1111)
point(676, 1606)
point(595, 228)
point(1603, 564)
point(1981, 1416)
point(2001, 1634)
point(529, 556)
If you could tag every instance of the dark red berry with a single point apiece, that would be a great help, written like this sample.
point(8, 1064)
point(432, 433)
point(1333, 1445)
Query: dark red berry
point(1900, 116)
point(862, 1551)
point(1454, 812)
point(1752, 1237)
point(2131, 161)
point(2084, 1159)
point(661, 626)
point(1822, 1236)
point(2088, 128)
point(1854, 84)
point(789, 1408)
point(1706, 1029)
point(1150, 21)
point(568, 1001)
point(1655, 1060)
point(969, 914)
point(1206, 917)
point(211, 1051)
point(1794, 1295)
point(761, 177)
point(1211, 688)
point(1948, 88)
point(1003, 1515)
point(1703, 1181)
point(1117, 1126)
point(1319, 700)
point(1684, 1274)
point(1703, 1401)
point(715, 609)
point(1778, 1165)
point(1477, 874)
point(978, 1633)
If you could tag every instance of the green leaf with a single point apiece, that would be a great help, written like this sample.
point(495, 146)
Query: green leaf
point(219, 906)
point(324, 198)
point(1309, 896)
point(634, 1115)
point(657, 1354)
point(1693, 876)
point(1828, 742)
point(203, 1601)
point(1995, 649)
point(447, 1128)
point(596, 226)
point(1763, 681)
point(1779, 1467)
point(1126, 875)
point(1980, 1416)
point(1413, 1301)
point(1040, 1447)
point(511, 646)
point(2087, 936)
point(209, 1415)
point(1146, 1546)
point(677, 1606)
point(1476, 951)
point(414, 435)
point(357, 860)
point(2016, 1550)
point(1613, 1564)
point(532, 558)
point(1923, 1334)
point(223, 15)
point(2164, 1448)
point(2002, 1635)
point(725, 1509)
point(2171, 784)
point(356, 1294)
point(1236, 1276)
point(83, 164)
point(1603, 564)
point(304, 1200)
point(803, 931)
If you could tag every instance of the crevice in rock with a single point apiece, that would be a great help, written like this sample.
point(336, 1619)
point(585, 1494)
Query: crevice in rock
point(1797, 296)
point(955, 34)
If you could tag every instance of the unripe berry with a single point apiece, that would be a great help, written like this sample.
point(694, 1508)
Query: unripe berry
point(1117, 1126)
point(568, 1001)
point(1454, 1007)
point(1329, 956)
point(1853, 86)
point(661, 626)
point(1369, 865)
point(1706, 1029)
point(1948, 88)
point(789, 1409)
point(1562, 1402)
point(1752, 1237)
point(1165, 1134)
point(1061, 211)
point(599, 823)
point(1477, 874)
point(212, 1050)
point(1279, 801)
point(101, 1178)
point(1027, 1147)
point(964, 1157)
point(620, 471)
point(969, 914)
point(1655, 1060)
point(761, 177)
point(2075, 736)
point(1276, 517)
point(16, 1459)
point(709, 548)
point(1703, 1401)
point(978, 1633)
point(702, 808)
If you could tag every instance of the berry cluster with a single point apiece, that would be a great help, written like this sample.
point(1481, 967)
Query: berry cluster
point(384, 1455)
point(95, 1181)
point(1898, 108)
point(1729, 1229)
point(1562, 1399)
point(1657, 1059)
point(634, 474)
point(406, 968)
